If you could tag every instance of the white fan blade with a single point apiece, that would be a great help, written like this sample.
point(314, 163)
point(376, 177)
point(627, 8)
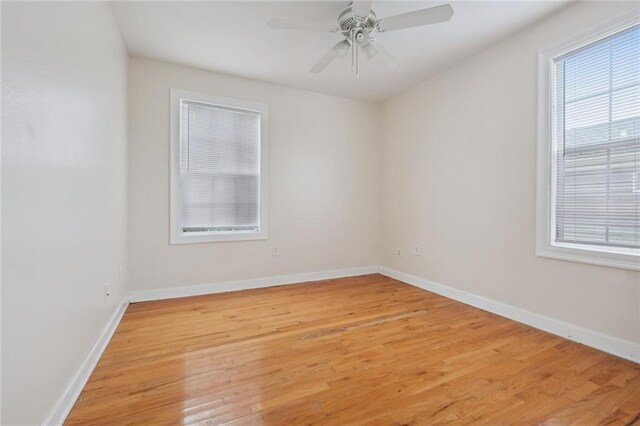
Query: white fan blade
point(433, 15)
point(361, 8)
point(337, 51)
point(290, 24)
point(383, 55)
point(342, 48)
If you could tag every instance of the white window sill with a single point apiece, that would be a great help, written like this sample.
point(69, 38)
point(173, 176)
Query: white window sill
point(216, 238)
point(592, 255)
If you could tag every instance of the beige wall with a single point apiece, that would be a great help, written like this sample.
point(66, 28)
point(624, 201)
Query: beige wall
point(460, 181)
point(323, 195)
point(63, 194)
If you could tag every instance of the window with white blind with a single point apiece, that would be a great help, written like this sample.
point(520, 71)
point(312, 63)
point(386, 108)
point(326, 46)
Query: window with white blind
point(590, 147)
point(218, 148)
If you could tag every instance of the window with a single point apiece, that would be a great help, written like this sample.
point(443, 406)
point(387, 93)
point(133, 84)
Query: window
point(218, 163)
point(589, 148)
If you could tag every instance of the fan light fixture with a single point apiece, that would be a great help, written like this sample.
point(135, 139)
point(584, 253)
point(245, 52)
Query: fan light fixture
point(358, 23)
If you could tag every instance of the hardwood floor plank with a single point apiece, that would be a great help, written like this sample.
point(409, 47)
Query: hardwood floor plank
point(358, 350)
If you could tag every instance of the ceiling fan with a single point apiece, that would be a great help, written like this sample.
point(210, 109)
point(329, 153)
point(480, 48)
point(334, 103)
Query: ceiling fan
point(359, 24)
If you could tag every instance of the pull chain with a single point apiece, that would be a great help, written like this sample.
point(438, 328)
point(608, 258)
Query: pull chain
point(353, 50)
point(355, 68)
point(357, 61)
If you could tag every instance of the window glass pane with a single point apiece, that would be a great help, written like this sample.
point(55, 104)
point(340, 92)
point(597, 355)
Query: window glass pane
point(598, 145)
point(587, 121)
point(219, 168)
point(586, 73)
point(626, 59)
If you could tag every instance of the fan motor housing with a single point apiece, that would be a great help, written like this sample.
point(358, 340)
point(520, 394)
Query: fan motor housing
point(347, 20)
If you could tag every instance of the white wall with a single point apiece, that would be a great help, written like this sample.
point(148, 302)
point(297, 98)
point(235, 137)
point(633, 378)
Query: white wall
point(460, 181)
point(63, 194)
point(324, 175)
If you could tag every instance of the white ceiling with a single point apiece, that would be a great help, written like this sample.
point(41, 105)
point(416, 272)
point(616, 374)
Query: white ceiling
point(232, 37)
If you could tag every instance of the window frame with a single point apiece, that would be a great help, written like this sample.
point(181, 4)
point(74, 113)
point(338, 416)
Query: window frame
point(546, 161)
point(176, 236)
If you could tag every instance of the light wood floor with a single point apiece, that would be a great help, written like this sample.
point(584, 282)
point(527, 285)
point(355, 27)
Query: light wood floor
point(362, 350)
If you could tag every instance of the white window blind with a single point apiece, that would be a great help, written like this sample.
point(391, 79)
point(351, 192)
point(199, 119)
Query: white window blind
point(219, 169)
point(596, 133)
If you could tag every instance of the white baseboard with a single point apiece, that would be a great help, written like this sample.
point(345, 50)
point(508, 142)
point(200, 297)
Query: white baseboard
point(63, 406)
point(613, 345)
point(223, 287)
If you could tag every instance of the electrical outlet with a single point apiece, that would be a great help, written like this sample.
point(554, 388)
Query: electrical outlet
point(416, 250)
point(107, 291)
point(398, 252)
point(276, 251)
